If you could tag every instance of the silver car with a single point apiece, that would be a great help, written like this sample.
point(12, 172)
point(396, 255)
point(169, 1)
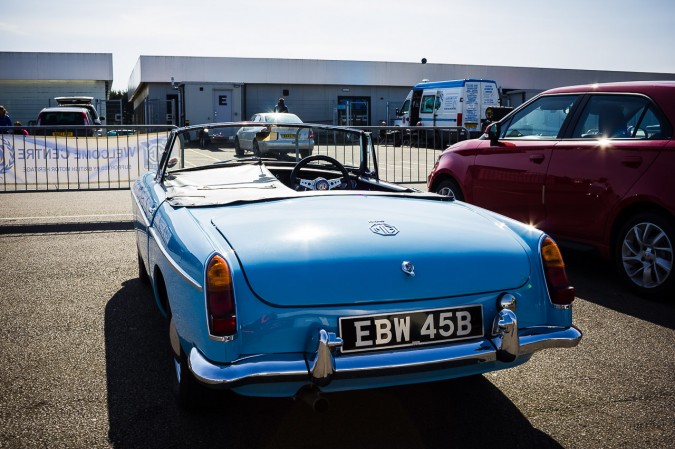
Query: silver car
point(264, 140)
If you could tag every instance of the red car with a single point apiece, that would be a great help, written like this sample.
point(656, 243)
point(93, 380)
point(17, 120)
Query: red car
point(590, 164)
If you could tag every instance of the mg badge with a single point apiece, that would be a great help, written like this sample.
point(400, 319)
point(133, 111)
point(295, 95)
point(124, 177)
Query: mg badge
point(408, 268)
point(321, 184)
point(382, 228)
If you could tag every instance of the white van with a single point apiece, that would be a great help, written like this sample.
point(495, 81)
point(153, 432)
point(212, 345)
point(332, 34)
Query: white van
point(449, 103)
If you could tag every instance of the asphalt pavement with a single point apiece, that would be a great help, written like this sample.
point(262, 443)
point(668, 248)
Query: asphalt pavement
point(85, 362)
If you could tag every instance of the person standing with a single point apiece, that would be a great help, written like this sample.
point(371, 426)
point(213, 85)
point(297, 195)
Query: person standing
point(281, 106)
point(5, 120)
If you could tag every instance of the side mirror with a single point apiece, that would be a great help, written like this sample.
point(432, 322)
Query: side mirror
point(493, 131)
point(172, 162)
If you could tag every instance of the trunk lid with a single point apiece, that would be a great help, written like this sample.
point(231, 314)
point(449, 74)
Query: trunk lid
point(318, 251)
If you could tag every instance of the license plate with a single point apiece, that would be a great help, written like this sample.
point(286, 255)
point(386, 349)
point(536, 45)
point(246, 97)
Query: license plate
point(63, 134)
point(288, 136)
point(401, 329)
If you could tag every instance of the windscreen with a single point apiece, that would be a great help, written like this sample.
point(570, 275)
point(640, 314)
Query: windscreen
point(278, 144)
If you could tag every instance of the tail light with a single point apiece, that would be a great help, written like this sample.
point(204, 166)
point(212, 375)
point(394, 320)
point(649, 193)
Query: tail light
point(459, 119)
point(311, 134)
point(220, 298)
point(559, 288)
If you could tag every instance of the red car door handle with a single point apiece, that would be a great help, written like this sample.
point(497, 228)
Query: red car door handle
point(632, 161)
point(536, 158)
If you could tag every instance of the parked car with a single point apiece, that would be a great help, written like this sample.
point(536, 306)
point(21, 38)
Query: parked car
point(257, 137)
point(81, 102)
point(65, 121)
point(284, 277)
point(589, 164)
point(121, 132)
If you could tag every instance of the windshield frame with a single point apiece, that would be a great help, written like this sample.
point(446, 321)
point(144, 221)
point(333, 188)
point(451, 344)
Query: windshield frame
point(368, 162)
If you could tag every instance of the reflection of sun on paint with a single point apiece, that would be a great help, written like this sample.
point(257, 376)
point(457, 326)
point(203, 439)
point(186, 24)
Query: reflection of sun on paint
point(306, 234)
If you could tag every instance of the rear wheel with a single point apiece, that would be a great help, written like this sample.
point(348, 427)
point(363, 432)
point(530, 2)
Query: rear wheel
point(189, 393)
point(644, 255)
point(448, 187)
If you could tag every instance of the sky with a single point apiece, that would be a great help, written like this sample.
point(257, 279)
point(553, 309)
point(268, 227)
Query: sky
point(623, 35)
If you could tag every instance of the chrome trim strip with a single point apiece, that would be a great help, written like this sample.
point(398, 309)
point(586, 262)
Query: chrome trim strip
point(145, 219)
point(173, 263)
point(260, 368)
point(293, 367)
point(217, 338)
point(533, 339)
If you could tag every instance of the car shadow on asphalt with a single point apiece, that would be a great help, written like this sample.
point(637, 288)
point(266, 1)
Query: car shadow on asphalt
point(461, 413)
point(596, 280)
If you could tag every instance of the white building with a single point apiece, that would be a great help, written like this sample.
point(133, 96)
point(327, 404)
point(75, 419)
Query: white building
point(219, 89)
point(30, 81)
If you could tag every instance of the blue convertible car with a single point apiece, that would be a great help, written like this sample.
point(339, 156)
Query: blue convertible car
point(284, 276)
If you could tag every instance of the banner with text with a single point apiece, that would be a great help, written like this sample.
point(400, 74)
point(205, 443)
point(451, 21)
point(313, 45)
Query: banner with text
point(52, 163)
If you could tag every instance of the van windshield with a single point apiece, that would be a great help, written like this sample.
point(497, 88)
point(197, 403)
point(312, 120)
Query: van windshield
point(406, 107)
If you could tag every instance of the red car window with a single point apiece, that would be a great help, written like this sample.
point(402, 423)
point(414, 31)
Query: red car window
point(543, 119)
point(617, 116)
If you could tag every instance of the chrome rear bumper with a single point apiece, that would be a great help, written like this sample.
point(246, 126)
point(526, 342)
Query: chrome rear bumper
point(326, 364)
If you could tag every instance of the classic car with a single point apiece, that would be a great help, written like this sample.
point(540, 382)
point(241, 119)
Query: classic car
point(279, 140)
point(592, 165)
point(287, 276)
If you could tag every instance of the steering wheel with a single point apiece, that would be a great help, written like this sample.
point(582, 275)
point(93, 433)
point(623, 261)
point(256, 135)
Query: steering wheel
point(320, 183)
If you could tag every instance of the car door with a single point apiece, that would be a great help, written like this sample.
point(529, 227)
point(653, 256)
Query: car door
point(509, 176)
point(612, 144)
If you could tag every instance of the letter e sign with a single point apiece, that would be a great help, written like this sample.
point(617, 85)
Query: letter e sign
point(222, 100)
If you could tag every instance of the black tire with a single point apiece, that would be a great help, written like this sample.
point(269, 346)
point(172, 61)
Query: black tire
point(237, 148)
point(142, 272)
point(188, 392)
point(441, 140)
point(449, 187)
point(643, 253)
point(398, 141)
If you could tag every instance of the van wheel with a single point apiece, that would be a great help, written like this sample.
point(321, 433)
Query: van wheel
point(644, 255)
point(448, 187)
